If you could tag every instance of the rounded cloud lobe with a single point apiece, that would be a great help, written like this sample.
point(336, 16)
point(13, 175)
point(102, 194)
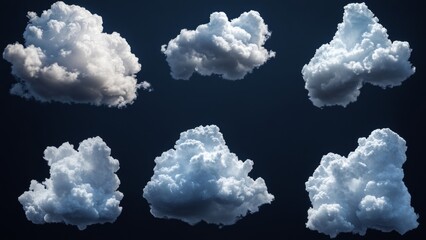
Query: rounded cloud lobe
point(359, 53)
point(364, 190)
point(230, 49)
point(81, 189)
point(201, 180)
point(67, 58)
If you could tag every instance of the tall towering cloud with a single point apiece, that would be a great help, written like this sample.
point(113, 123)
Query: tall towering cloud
point(363, 190)
point(201, 180)
point(81, 189)
point(230, 49)
point(68, 58)
point(359, 53)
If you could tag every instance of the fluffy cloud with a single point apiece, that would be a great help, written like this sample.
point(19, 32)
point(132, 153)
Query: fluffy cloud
point(359, 53)
point(364, 190)
point(201, 180)
point(81, 189)
point(67, 58)
point(227, 48)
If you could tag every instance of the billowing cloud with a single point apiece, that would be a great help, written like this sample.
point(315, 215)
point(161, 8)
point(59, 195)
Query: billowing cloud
point(363, 190)
point(201, 180)
point(230, 49)
point(67, 58)
point(359, 53)
point(81, 189)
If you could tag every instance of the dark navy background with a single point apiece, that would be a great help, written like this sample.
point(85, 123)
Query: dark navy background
point(267, 117)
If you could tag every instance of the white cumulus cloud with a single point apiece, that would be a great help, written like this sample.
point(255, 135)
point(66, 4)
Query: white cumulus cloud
point(201, 180)
point(363, 190)
point(68, 58)
point(359, 53)
point(230, 49)
point(81, 189)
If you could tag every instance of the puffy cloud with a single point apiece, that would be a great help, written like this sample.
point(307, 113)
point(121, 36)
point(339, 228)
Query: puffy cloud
point(364, 190)
point(81, 189)
point(359, 53)
point(227, 48)
point(201, 180)
point(146, 86)
point(67, 58)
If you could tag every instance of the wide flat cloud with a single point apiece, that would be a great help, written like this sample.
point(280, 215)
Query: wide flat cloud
point(364, 190)
point(67, 58)
point(201, 180)
point(81, 189)
point(230, 49)
point(359, 53)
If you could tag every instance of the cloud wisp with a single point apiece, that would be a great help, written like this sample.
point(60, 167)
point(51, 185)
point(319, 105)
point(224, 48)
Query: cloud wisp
point(81, 190)
point(363, 190)
point(68, 58)
point(359, 53)
point(230, 49)
point(201, 180)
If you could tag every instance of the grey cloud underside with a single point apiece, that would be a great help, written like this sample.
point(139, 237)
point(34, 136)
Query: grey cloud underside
point(81, 190)
point(68, 58)
point(363, 190)
point(201, 180)
point(230, 49)
point(359, 53)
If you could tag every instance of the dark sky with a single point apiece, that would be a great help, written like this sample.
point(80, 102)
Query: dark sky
point(266, 117)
